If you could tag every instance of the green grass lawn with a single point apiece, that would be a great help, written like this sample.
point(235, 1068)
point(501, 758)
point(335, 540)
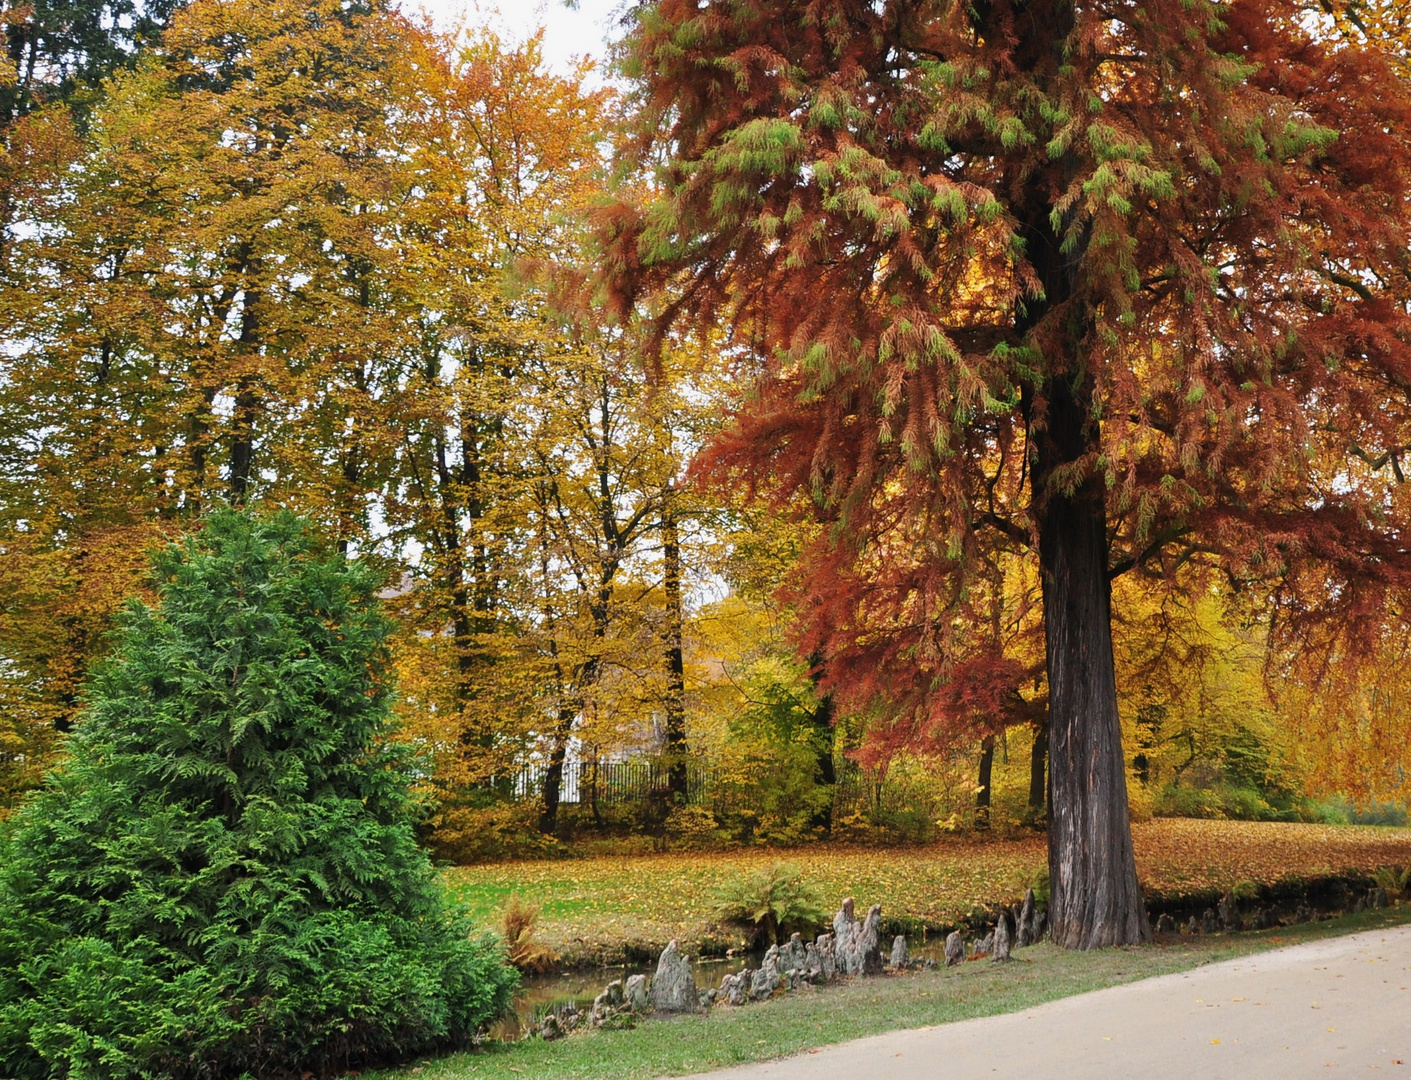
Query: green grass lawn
point(798, 1022)
point(607, 909)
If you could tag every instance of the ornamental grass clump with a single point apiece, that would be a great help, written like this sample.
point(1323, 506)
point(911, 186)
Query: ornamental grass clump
point(520, 924)
point(223, 879)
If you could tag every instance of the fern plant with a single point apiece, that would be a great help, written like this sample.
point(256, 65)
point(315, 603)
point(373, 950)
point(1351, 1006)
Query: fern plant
point(1394, 881)
point(771, 904)
point(223, 878)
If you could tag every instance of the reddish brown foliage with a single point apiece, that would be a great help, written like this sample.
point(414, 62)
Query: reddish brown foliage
point(1119, 283)
point(850, 200)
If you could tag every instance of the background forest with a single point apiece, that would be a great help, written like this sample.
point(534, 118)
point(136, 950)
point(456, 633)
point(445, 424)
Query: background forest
point(316, 256)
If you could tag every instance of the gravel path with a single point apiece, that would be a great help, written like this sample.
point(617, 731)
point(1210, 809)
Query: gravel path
point(1337, 1006)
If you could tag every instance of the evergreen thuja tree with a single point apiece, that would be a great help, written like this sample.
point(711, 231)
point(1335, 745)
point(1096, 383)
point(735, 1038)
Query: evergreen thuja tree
point(223, 879)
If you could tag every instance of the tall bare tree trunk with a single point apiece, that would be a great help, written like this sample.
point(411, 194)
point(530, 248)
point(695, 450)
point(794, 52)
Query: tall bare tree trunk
point(982, 785)
point(676, 748)
point(1038, 762)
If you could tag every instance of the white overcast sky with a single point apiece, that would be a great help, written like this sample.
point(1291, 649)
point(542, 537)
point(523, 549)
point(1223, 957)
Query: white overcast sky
point(568, 33)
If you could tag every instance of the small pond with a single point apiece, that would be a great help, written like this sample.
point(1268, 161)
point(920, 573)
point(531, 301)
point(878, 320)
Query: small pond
point(539, 993)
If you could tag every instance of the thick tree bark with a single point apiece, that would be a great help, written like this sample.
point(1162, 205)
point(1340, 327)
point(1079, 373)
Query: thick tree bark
point(982, 786)
point(1094, 897)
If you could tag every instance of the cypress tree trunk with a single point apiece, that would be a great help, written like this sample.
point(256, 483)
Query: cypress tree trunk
point(1094, 897)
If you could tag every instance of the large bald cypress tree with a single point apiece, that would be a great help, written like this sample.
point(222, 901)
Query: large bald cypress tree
point(1112, 288)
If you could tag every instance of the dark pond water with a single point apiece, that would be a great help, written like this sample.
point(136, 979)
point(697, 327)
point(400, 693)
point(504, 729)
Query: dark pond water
point(540, 993)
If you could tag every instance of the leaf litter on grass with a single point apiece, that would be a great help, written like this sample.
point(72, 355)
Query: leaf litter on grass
point(593, 908)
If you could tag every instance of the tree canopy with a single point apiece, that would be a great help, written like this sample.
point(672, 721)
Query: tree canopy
point(1123, 286)
point(986, 299)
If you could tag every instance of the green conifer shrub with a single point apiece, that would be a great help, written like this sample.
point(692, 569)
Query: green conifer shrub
point(223, 879)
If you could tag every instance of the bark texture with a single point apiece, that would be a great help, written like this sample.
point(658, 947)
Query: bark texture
point(1094, 897)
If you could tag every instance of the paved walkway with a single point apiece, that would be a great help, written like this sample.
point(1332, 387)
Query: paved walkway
point(1324, 1008)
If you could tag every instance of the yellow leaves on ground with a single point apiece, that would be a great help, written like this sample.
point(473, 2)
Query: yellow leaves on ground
point(597, 907)
point(1178, 857)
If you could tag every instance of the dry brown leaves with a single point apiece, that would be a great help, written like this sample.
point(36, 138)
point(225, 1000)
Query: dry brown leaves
point(595, 908)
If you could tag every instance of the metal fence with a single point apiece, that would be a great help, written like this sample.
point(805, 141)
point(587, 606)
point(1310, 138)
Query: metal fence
point(609, 783)
point(619, 783)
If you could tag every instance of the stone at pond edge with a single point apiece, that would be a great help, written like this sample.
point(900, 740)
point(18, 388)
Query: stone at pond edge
point(827, 957)
point(1230, 920)
point(607, 1004)
point(735, 989)
point(1208, 922)
point(813, 963)
point(845, 932)
point(635, 993)
point(794, 959)
point(1165, 924)
point(1262, 919)
point(1003, 937)
point(857, 945)
point(558, 1022)
point(673, 987)
point(901, 957)
point(955, 949)
point(766, 980)
point(869, 943)
point(1027, 932)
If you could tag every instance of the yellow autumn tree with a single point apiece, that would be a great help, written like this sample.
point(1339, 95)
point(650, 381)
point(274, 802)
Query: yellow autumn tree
point(204, 301)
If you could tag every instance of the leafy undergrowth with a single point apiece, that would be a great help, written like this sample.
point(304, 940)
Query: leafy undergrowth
point(796, 1023)
point(614, 908)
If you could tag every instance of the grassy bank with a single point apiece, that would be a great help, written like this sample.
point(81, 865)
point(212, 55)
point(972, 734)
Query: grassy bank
point(799, 1022)
point(605, 910)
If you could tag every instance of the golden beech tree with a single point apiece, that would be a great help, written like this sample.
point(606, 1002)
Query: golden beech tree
point(193, 310)
point(1194, 214)
point(292, 257)
point(509, 154)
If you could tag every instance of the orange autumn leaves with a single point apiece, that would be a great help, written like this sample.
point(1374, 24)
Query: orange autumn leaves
point(592, 907)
